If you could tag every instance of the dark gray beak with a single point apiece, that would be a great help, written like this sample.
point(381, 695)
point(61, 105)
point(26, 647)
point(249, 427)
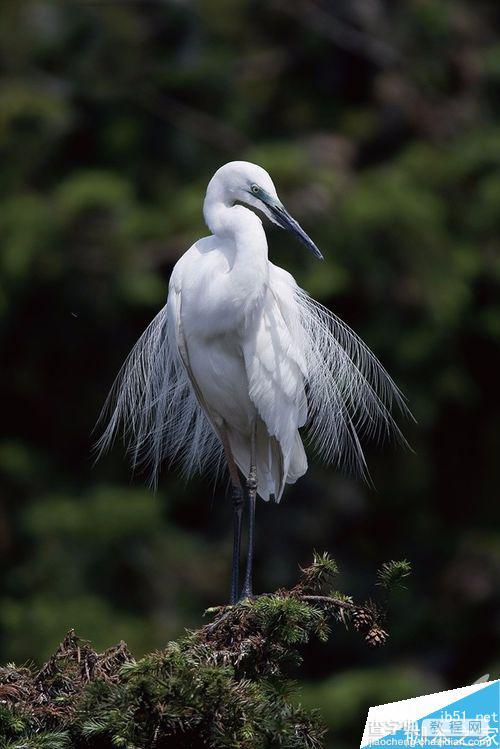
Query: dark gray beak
point(283, 219)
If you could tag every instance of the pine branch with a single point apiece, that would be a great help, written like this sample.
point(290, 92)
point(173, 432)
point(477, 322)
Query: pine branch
point(230, 678)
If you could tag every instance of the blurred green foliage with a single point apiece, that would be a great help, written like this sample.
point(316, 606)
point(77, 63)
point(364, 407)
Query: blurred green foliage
point(379, 122)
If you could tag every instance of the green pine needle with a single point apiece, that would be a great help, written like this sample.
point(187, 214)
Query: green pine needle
point(392, 574)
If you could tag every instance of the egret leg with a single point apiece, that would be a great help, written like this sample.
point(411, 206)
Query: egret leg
point(252, 498)
point(237, 522)
point(237, 499)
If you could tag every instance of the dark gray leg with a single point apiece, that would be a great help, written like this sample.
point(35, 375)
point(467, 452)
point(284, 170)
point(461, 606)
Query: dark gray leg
point(252, 497)
point(237, 520)
point(238, 499)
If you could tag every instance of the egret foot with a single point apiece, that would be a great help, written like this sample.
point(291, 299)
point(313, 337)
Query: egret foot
point(218, 621)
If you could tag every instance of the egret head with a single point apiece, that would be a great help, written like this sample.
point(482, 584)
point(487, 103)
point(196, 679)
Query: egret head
point(249, 184)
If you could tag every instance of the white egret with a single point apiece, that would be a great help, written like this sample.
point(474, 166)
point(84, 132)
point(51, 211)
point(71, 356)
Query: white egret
point(240, 358)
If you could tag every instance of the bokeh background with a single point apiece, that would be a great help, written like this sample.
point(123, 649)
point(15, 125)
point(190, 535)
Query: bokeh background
point(379, 122)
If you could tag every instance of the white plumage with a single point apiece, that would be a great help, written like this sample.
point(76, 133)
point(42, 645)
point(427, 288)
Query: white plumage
point(240, 346)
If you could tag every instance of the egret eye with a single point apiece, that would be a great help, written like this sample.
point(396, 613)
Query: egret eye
point(255, 189)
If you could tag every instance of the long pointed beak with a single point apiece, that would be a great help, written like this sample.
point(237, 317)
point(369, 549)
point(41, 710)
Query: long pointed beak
point(283, 219)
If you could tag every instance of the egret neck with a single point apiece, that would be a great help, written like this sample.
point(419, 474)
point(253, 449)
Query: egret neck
point(245, 244)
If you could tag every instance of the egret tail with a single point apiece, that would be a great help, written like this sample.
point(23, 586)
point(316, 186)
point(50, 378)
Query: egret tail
point(274, 468)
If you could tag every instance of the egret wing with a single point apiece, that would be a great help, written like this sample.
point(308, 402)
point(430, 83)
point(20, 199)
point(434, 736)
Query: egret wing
point(276, 370)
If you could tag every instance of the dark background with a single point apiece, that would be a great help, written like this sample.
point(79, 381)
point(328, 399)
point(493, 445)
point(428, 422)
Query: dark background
point(379, 124)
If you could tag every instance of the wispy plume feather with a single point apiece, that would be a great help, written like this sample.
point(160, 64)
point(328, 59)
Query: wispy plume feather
point(153, 407)
point(350, 397)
